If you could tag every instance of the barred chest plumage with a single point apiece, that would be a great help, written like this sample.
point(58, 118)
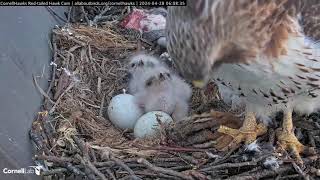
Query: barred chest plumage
point(267, 85)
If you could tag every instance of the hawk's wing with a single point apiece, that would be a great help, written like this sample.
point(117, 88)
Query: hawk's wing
point(310, 19)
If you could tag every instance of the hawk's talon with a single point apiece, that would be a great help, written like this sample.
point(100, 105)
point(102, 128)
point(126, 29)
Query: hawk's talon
point(247, 133)
point(288, 141)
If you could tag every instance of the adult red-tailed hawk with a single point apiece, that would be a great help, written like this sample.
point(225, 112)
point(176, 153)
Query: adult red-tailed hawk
point(262, 51)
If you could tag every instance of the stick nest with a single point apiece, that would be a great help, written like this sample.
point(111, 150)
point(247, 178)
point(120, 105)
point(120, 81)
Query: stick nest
point(74, 137)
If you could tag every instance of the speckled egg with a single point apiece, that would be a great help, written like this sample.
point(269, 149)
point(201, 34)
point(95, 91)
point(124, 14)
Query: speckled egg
point(147, 124)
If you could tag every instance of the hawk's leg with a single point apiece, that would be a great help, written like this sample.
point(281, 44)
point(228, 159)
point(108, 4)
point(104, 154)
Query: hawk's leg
point(287, 139)
point(247, 133)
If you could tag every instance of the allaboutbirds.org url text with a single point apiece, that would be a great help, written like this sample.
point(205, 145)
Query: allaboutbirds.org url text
point(103, 3)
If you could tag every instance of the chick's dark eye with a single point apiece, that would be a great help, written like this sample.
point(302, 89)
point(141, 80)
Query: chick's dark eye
point(132, 65)
point(149, 83)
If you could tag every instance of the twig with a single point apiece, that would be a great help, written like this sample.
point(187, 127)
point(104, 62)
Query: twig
point(90, 166)
point(293, 176)
point(111, 175)
point(197, 175)
point(43, 70)
point(299, 171)
point(223, 159)
point(69, 14)
point(188, 159)
point(178, 149)
point(59, 99)
point(53, 76)
point(236, 165)
point(81, 145)
point(99, 85)
point(54, 171)
point(157, 175)
point(55, 159)
point(103, 18)
point(163, 170)
point(66, 162)
point(95, 170)
point(92, 105)
point(102, 105)
point(92, 155)
point(85, 15)
point(67, 36)
point(100, 16)
point(51, 11)
point(41, 134)
point(74, 169)
point(90, 53)
point(73, 49)
point(62, 83)
point(38, 140)
point(311, 139)
point(183, 129)
point(182, 168)
point(296, 167)
point(262, 174)
point(145, 41)
point(50, 44)
point(35, 137)
point(41, 90)
point(125, 167)
point(272, 136)
point(86, 160)
point(103, 164)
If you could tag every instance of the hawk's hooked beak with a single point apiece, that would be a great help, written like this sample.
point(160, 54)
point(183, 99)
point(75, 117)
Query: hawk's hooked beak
point(199, 83)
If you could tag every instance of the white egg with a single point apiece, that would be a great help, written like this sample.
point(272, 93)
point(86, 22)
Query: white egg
point(123, 111)
point(147, 124)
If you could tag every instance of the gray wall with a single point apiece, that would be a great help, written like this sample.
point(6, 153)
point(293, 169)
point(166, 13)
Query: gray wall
point(24, 50)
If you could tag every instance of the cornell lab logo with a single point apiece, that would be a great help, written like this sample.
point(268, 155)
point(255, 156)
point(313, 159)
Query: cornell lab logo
point(37, 169)
point(31, 170)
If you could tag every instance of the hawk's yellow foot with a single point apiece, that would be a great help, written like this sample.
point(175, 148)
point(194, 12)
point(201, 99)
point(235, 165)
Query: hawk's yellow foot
point(247, 133)
point(288, 141)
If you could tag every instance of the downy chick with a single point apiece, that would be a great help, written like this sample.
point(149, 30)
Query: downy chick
point(138, 65)
point(161, 93)
point(183, 89)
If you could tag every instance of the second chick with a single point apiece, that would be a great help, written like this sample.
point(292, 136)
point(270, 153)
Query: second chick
point(164, 91)
point(138, 65)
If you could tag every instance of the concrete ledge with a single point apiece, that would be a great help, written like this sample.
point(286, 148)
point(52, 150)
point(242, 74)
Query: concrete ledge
point(24, 50)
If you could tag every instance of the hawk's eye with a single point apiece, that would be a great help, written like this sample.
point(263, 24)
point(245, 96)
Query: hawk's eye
point(169, 76)
point(132, 65)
